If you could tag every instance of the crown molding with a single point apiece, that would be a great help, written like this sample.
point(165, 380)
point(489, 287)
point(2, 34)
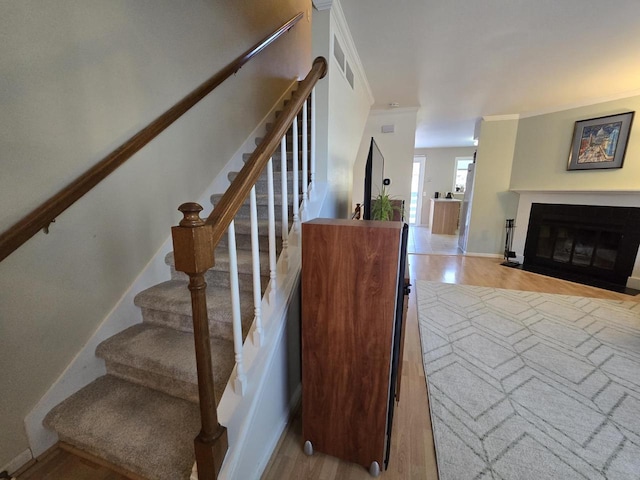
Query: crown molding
point(586, 103)
point(501, 118)
point(322, 4)
point(349, 46)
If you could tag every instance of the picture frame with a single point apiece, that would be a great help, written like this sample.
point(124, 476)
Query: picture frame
point(600, 143)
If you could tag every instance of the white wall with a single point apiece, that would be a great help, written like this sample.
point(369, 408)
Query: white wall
point(492, 201)
point(79, 78)
point(539, 171)
point(440, 171)
point(341, 110)
point(397, 148)
point(542, 151)
point(522, 160)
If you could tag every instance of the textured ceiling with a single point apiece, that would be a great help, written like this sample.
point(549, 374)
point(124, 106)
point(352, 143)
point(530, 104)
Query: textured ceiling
point(458, 60)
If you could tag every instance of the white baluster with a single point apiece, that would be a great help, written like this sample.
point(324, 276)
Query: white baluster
point(305, 155)
point(294, 169)
point(285, 196)
point(240, 382)
point(313, 136)
point(255, 262)
point(272, 229)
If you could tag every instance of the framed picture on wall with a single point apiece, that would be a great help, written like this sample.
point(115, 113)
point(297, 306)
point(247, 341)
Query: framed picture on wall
point(600, 142)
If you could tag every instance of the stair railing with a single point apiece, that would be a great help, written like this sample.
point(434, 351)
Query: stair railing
point(46, 213)
point(195, 239)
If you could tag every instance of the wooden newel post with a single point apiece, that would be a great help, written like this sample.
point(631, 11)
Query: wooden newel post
point(193, 254)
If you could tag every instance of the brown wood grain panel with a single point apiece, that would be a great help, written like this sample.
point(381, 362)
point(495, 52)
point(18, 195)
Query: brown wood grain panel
point(349, 278)
point(444, 216)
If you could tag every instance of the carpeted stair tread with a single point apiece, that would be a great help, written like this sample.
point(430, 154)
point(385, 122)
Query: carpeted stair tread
point(263, 210)
point(168, 304)
point(164, 359)
point(245, 263)
point(277, 160)
point(261, 199)
point(259, 140)
point(243, 240)
point(220, 279)
point(218, 276)
point(262, 186)
point(144, 431)
point(243, 226)
point(143, 415)
point(263, 178)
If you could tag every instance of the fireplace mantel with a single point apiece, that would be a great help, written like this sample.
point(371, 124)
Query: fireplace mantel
point(619, 198)
point(577, 192)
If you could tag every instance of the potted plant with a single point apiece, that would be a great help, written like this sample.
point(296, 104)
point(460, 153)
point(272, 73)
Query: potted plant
point(382, 208)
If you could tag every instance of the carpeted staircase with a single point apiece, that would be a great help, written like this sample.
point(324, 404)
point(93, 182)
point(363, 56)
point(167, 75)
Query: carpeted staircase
point(143, 415)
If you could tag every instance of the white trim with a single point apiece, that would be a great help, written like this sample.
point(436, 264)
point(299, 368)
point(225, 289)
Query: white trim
point(634, 282)
point(322, 4)
point(86, 367)
point(422, 160)
point(584, 103)
point(501, 118)
point(486, 255)
point(605, 198)
point(468, 158)
point(349, 47)
point(562, 108)
point(577, 192)
point(18, 462)
point(245, 417)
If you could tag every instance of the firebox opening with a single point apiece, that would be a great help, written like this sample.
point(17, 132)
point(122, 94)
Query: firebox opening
point(594, 245)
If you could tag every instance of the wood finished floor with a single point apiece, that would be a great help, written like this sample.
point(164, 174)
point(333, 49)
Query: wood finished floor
point(62, 464)
point(412, 452)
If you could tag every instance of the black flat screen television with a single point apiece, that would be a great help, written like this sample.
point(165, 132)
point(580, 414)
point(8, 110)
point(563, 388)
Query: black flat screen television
point(373, 177)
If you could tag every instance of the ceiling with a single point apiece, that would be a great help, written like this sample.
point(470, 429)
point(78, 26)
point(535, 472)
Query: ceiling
point(459, 60)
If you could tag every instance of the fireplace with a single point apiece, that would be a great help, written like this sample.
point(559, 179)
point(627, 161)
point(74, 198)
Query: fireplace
point(595, 245)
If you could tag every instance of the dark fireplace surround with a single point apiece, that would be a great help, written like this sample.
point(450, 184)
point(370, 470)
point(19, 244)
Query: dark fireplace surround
point(594, 245)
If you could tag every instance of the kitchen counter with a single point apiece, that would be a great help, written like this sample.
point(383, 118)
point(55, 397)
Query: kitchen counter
point(444, 215)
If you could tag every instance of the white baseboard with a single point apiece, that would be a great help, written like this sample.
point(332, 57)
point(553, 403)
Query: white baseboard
point(263, 412)
point(256, 422)
point(86, 367)
point(18, 462)
point(279, 431)
point(486, 255)
point(634, 282)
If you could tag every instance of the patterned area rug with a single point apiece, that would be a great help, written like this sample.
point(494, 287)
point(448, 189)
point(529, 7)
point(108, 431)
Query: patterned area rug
point(526, 385)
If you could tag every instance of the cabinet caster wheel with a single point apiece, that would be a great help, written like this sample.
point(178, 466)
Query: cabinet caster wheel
point(308, 448)
point(374, 469)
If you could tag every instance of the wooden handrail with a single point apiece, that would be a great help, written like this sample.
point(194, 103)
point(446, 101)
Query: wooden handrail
point(226, 209)
point(194, 242)
point(46, 213)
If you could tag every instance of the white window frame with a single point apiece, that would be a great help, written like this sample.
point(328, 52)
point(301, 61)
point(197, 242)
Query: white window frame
point(467, 160)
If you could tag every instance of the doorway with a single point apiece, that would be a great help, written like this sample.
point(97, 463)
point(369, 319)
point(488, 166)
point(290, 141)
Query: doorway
point(417, 176)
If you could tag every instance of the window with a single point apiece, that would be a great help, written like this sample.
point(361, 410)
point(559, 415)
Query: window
point(460, 179)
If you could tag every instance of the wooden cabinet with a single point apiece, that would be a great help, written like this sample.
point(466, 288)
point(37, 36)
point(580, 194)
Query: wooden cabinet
point(353, 294)
point(444, 214)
